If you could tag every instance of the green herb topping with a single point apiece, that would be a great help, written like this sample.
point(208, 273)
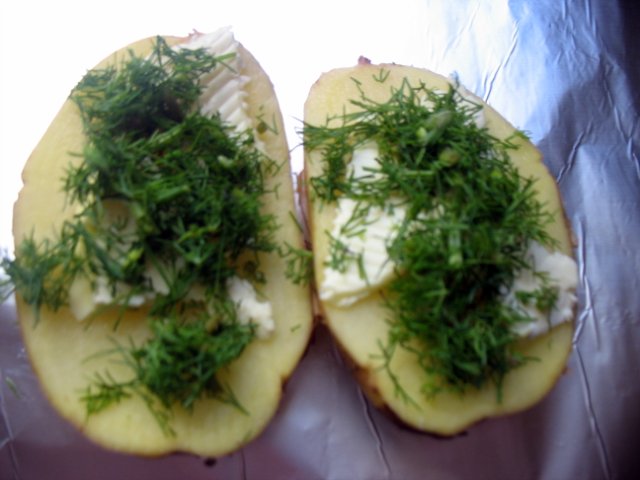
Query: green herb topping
point(469, 219)
point(162, 187)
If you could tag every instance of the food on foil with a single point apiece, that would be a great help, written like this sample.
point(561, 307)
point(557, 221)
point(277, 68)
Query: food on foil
point(443, 259)
point(156, 250)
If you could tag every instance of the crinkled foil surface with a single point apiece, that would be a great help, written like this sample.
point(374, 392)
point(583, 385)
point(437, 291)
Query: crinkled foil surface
point(566, 72)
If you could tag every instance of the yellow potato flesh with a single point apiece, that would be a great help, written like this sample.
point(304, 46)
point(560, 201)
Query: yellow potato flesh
point(360, 327)
point(59, 345)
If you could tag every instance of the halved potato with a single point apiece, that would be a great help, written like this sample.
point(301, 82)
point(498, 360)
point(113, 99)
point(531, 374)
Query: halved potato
point(62, 349)
point(360, 327)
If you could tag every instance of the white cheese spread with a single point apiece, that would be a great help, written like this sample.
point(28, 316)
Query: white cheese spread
point(223, 88)
point(249, 308)
point(561, 272)
point(371, 267)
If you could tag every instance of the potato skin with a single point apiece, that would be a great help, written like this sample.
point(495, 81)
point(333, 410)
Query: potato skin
point(59, 345)
point(358, 328)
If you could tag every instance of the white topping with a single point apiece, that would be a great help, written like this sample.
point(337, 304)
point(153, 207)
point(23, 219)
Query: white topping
point(223, 87)
point(373, 268)
point(85, 299)
point(478, 117)
point(249, 308)
point(562, 274)
point(364, 162)
point(102, 294)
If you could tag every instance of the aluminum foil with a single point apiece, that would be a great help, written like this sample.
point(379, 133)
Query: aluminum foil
point(564, 72)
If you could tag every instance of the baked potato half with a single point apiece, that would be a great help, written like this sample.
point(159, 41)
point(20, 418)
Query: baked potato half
point(67, 354)
point(395, 378)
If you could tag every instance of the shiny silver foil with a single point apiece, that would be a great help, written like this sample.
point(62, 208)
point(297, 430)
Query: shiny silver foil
point(567, 73)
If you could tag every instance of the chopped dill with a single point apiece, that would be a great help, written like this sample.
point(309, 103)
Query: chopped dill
point(469, 219)
point(160, 186)
point(299, 264)
point(177, 366)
